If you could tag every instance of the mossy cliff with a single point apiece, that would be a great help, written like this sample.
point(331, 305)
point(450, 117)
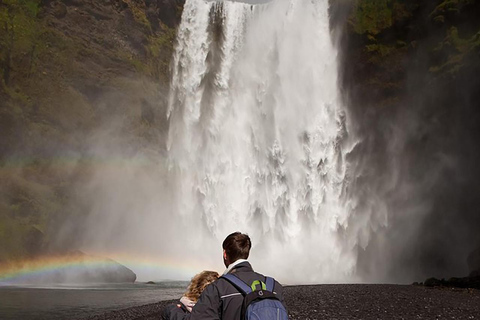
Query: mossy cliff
point(388, 39)
point(409, 76)
point(68, 70)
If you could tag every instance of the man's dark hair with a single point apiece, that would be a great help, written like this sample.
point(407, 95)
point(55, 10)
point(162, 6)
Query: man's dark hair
point(237, 246)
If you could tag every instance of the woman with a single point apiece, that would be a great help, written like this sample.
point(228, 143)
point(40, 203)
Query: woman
point(187, 302)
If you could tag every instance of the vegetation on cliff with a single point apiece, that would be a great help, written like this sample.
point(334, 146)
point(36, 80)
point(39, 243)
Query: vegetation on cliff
point(69, 71)
point(389, 38)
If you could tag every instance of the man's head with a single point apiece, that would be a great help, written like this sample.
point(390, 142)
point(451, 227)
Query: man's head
point(236, 246)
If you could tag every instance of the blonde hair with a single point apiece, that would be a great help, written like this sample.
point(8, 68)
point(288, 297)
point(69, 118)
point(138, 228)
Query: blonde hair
point(199, 283)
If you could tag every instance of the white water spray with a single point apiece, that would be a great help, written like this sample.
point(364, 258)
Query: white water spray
point(258, 138)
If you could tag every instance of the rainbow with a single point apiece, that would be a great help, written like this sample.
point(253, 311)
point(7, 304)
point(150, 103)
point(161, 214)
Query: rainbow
point(23, 271)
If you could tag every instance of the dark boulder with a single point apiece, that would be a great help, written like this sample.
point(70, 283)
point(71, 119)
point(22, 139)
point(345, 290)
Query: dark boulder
point(465, 282)
point(90, 269)
point(75, 268)
point(433, 282)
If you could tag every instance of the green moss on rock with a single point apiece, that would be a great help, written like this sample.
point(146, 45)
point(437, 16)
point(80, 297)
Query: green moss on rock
point(372, 16)
point(459, 49)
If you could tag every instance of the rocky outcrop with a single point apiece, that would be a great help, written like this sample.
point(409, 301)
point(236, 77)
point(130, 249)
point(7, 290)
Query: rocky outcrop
point(465, 282)
point(72, 268)
point(95, 270)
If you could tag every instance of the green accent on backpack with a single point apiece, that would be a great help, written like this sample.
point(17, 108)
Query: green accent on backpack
point(257, 282)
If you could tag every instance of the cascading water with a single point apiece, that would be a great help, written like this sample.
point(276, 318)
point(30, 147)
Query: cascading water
point(258, 138)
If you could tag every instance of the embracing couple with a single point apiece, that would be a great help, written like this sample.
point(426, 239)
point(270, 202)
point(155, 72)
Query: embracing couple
point(240, 293)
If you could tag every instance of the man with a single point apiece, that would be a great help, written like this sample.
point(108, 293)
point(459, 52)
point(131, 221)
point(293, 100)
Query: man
point(221, 300)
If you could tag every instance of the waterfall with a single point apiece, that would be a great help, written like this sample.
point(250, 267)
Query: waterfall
point(258, 138)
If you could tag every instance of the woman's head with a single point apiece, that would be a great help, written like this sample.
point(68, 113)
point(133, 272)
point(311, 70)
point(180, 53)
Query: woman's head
point(199, 283)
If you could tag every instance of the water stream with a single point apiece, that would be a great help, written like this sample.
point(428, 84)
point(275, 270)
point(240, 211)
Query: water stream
point(258, 138)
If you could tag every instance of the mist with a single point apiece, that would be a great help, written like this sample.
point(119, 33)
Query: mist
point(124, 191)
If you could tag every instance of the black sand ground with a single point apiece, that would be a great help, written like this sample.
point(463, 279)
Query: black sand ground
point(352, 301)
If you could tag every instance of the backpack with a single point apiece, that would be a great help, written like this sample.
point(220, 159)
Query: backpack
point(260, 304)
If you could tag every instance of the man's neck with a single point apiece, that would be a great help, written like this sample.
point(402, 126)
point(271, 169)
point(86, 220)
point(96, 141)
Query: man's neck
point(233, 265)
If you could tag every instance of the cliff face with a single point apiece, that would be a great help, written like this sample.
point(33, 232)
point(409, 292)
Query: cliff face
point(408, 76)
point(71, 70)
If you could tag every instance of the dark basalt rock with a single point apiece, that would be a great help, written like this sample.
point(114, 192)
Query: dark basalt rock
point(102, 270)
point(465, 282)
point(433, 282)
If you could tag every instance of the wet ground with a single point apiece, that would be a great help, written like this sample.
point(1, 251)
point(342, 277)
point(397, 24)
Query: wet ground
point(356, 301)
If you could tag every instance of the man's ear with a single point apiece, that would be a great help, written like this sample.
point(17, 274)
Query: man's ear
point(224, 255)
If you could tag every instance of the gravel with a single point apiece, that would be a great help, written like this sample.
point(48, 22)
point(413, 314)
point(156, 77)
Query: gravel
point(354, 301)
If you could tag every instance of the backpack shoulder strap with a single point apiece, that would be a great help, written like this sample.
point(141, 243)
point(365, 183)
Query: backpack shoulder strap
point(239, 284)
point(270, 283)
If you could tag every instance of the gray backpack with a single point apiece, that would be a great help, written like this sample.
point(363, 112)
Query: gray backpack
point(259, 303)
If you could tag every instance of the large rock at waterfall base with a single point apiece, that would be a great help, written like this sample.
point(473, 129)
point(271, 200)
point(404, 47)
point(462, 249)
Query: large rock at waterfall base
point(72, 268)
point(90, 269)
